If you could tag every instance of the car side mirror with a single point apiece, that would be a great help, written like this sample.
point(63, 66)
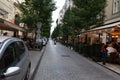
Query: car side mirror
point(10, 72)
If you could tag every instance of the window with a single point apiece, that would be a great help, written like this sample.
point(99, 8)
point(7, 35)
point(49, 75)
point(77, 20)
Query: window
point(20, 48)
point(9, 58)
point(116, 6)
point(12, 55)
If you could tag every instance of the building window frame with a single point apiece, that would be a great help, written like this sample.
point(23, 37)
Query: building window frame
point(116, 6)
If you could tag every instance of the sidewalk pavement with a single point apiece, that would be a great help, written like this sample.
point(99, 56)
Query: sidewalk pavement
point(113, 67)
point(35, 56)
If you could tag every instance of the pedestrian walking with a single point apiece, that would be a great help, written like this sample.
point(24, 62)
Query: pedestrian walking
point(55, 42)
point(103, 53)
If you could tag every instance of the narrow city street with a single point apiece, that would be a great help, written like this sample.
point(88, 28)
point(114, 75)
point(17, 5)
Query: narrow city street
point(62, 63)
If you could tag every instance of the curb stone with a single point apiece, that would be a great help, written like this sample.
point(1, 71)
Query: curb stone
point(38, 63)
point(108, 68)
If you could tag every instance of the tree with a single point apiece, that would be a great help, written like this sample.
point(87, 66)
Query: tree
point(91, 12)
point(56, 32)
point(82, 15)
point(70, 25)
point(67, 24)
point(35, 11)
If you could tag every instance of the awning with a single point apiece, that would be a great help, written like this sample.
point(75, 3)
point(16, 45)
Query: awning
point(106, 26)
point(5, 25)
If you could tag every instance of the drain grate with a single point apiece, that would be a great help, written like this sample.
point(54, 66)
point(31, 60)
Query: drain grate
point(65, 55)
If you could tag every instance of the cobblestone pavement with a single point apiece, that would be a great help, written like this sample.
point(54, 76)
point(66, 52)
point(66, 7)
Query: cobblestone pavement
point(61, 63)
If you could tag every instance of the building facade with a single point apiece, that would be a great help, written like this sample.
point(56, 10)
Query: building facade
point(112, 21)
point(110, 31)
point(112, 11)
point(8, 12)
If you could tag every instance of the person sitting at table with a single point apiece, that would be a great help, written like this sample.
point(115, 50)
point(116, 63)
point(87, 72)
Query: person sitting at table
point(111, 52)
point(110, 49)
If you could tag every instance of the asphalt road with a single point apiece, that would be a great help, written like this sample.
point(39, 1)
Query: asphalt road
point(61, 63)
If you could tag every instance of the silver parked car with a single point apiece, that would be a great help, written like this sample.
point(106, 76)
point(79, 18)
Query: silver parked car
point(14, 59)
point(44, 41)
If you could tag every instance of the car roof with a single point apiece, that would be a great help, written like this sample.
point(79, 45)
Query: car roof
point(3, 38)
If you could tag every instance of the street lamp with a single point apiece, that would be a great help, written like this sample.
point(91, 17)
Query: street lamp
point(38, 30)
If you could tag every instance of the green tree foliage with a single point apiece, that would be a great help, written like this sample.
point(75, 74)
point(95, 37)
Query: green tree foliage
point(45, 31)
point(38, 10)
point(56, 32)
point(84, 14)
point(70, 24)
point(91, 12)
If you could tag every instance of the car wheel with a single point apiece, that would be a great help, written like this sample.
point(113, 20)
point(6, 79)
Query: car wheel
point(27, 74)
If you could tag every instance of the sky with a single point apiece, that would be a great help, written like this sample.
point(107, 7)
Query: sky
point(55, 15)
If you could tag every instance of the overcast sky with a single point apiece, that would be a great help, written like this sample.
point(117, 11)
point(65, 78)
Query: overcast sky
point(59, 5)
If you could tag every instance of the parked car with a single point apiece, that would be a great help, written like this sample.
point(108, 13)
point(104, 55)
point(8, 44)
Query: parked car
point(14, 59)
point(39, 43)
point(44, 41)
